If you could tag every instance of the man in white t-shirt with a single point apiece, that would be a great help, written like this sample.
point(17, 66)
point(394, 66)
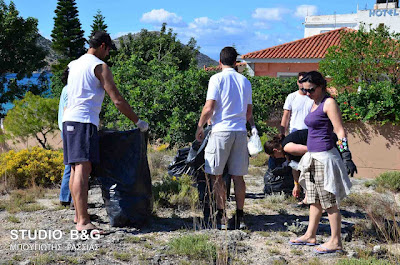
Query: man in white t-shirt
point(229, 106)
point(296, 108)
point(88, 80)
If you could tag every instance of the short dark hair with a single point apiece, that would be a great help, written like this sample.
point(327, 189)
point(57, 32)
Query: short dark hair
point(99, 37)
point(301, 74)
point(315, 78)
point(64, 76)
point(228, 56)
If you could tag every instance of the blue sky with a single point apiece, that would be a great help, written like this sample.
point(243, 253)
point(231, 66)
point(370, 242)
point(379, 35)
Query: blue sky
point(249, 25)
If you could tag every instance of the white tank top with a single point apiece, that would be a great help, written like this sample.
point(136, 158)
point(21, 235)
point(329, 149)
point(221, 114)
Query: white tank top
point(85, 92)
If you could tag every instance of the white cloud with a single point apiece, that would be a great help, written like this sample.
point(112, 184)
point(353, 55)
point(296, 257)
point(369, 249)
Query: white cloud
point(270, 13)
point(261, 25)
point(305, 10)
point(262, 36)
point(159, 16)
point(204, 26)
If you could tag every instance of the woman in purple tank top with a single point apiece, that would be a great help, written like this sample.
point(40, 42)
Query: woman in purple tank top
point(323, 173)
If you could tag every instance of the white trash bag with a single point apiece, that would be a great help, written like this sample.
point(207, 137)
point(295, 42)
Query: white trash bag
point(254, 145)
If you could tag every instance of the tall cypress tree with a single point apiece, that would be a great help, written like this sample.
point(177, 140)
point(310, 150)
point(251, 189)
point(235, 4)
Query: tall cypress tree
point(98, 23)
point(67, 35)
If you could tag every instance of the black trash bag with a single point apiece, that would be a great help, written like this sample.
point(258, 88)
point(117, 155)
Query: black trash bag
point(124, 175)
point(178, 166)
point(279, 179)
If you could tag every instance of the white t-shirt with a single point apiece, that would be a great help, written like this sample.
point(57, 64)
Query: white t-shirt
point(299, 106)
point(85, 92)
point(232, 93)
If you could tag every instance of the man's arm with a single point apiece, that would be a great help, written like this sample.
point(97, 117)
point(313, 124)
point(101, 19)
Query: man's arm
point(285, 121)
point(206, 114)
point(103, 73)
point(254, 130)
point(249, 114)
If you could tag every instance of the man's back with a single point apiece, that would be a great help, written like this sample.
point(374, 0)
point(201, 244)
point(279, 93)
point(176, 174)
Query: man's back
point(232, 93)
point(85, 92)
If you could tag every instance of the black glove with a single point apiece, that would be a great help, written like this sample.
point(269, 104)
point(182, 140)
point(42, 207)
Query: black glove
point(351, 167)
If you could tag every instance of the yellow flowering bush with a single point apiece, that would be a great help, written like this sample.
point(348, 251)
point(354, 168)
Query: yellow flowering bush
point(30, 167)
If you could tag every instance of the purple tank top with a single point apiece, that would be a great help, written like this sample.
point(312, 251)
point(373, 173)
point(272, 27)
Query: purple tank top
point(320, 130)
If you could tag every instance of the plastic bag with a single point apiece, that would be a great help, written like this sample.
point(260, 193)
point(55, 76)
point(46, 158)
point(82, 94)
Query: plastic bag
point(125, 178)
point(254, 145)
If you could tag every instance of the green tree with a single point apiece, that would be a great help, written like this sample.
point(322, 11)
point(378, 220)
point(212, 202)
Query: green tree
point(32, 116)
point(67, 35)
point(162, 47)
point(67, 40)
point(19, 54)
point(364, 56)
point(99, 23)
point(158, 76)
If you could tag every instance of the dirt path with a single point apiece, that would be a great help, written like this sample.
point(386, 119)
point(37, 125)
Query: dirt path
point(271, 220)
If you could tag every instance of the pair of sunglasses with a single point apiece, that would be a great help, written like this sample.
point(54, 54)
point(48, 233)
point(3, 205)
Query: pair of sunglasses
point(311, 90)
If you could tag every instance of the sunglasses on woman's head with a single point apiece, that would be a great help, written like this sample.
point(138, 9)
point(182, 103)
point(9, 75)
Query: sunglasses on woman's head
point(311, 90)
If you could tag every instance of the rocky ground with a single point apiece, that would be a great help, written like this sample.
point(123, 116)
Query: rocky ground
point(271, 220)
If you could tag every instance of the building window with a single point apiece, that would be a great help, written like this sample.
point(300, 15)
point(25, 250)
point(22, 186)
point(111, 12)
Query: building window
point(285, 75)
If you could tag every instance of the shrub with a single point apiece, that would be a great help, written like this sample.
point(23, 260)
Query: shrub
point(389, 180)
point(269, 95)
point(31, 167)
point(170, 93)
point(194, 246)
point(375, 102)
point(175, 192)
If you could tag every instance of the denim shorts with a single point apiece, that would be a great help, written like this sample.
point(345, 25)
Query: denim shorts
point(81, 143)
point(227, 148)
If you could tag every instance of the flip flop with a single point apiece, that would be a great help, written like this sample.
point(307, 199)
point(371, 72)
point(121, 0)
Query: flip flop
point(299, 242)
point(99, 231)
point(327, 250)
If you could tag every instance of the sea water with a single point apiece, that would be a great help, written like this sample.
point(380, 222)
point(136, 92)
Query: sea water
point(34, 79)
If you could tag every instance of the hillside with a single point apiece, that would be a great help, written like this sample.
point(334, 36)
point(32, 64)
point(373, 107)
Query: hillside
point(52, 56)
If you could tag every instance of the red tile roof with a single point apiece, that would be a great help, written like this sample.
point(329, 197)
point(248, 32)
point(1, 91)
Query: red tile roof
point(307, 48)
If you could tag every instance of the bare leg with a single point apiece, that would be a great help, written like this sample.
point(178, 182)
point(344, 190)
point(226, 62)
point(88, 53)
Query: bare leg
point(71, 184)
point(219, 191)
point(335, 220)
point(79, 191)
point(240, 191)
point(315, 216)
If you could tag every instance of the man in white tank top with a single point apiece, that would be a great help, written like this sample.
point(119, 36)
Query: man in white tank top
point(89, 77)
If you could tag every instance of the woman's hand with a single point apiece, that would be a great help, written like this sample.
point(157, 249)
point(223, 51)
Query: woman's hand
point(296, 190)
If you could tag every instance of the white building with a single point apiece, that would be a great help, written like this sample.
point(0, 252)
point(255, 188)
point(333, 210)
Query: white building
point(385, 12)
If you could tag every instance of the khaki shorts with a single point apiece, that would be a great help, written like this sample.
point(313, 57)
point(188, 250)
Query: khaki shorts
point(227, 148)
point(315, 186)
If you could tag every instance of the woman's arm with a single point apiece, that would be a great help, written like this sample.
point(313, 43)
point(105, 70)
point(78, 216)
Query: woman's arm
point(295, 149)
point(334, 114)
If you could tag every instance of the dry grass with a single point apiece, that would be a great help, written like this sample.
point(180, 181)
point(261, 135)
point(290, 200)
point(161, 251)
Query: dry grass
point(261, 159)
point(23, 200)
